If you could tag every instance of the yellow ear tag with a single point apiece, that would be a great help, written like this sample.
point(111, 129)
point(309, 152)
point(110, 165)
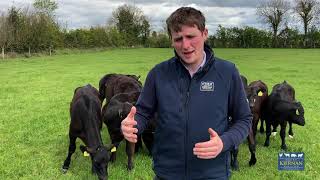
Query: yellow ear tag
point(297, 112)
point(114, 149)
point(86, 154)
point(260, 93)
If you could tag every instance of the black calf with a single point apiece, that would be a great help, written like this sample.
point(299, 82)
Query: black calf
point(86, 123)
point(282, 108)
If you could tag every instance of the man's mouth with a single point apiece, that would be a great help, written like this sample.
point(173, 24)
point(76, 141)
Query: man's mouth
point(188, 52)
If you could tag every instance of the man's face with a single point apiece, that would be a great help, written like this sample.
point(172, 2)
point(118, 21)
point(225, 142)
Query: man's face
point(189, 44)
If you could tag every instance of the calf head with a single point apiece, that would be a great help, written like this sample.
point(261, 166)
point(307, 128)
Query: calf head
point(256, 94)
point(296, 114)
point(124, 110)
point(100, 160)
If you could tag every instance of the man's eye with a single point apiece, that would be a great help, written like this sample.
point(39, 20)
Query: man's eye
point(177, 39)
point(190, 37)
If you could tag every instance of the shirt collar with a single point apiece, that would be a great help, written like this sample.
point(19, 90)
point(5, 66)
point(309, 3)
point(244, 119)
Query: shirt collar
point(200, 66)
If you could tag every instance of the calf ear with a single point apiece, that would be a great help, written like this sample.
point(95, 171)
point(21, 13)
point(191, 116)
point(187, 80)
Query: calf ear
point(76, 89)
point(91, 150)
point(120, 112)
point(111, 147)
point(297, 104)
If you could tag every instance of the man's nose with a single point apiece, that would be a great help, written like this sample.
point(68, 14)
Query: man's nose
point(185, 43)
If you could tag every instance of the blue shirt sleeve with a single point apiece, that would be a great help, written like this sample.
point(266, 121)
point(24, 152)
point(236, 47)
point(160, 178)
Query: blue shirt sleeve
point(239, 111)
point(147, 102)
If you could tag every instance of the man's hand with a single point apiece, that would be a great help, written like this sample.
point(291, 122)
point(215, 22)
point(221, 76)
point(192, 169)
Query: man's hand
point(209, 149)
point(127, 126)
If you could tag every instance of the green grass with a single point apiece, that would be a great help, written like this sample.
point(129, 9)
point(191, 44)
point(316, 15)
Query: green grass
point(34, 110)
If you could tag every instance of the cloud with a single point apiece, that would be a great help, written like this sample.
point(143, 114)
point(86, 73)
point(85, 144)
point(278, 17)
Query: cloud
point(215, 3)
point(87, 13)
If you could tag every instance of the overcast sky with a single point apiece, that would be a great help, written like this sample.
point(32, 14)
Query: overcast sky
point(86, 13)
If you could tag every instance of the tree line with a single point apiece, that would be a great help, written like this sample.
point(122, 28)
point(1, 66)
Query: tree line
point(35, 29)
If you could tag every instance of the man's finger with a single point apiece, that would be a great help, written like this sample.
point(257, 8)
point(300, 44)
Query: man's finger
point(206, 154)
point(132, 112)
point(206, 157)
point(128, 122)
point(132, 140)
point(207, 149)
point(129, 130)
point(204, 144)
point(130, 136)
point(212, 133)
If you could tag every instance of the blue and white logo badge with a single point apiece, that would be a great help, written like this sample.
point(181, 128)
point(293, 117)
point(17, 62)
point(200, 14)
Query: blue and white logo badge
point(207, 86)
point(291, 161)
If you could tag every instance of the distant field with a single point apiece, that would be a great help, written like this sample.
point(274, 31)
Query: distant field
point(34, 111)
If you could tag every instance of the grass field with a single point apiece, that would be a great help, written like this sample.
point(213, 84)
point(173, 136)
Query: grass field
point(34, 111)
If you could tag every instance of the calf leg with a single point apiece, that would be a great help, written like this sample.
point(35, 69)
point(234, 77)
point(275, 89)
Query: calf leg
point(234, 159)
point(130, 152)
point(283, 135)
point(113, 156)
point(268, 133)
point(255, 124)
point(252, 148)
point(72, 148)
point(290, 130)
point(261, 126)
point(274, 128)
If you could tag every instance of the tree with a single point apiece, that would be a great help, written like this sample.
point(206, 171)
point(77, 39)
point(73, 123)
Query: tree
point(131, 23)
point(308, 11)
point(145, 30)
point(274, 13)
point(314, 36)
point(3, 33)
point(48, 29)
point(221, 35)
point(13, 27)
point(289, 38)
point(46, 6)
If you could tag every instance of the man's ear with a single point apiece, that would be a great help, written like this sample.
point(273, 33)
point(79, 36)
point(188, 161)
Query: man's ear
point(205, 33)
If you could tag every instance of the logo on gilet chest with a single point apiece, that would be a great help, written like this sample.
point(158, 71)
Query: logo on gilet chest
point(207, 86)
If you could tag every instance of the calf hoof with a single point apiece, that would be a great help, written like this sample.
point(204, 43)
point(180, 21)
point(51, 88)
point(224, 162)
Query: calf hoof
point(266, 144)
point(284, 147)
point(252, 161)
point(290, 136)
point(235, 166)
point(261, 130)
point(64, 170)
point(130, 167)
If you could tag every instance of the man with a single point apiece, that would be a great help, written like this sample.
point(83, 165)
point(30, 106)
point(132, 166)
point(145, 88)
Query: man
point(194, 94)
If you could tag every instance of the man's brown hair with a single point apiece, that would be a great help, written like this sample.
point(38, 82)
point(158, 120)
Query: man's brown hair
point(185, 16)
